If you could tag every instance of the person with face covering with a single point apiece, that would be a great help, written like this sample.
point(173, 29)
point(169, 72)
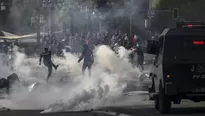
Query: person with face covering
point(87, 55)
point(46, 55)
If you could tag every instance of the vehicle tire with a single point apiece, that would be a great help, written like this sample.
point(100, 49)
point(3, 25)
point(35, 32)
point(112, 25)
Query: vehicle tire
point(156, 102)
point(152, 90)
point(164, 101)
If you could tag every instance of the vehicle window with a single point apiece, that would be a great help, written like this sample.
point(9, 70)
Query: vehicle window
point(192, 45)
point(161, 43)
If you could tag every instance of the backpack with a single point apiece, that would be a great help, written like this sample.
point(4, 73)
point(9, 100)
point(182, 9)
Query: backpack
point(88, 56)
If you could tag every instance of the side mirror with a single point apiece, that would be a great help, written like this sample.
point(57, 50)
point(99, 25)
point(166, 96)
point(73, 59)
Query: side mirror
point(152, 47)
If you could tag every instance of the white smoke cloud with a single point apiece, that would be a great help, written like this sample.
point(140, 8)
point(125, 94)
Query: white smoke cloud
point(22, 10)
point(68, 89)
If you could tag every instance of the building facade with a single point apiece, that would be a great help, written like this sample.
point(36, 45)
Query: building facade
point(153, 4)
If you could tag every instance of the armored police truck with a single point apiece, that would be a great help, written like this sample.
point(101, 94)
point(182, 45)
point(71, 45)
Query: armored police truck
point(179, 68)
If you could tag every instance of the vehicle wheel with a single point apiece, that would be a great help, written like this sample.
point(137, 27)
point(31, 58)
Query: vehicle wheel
point(156, 102)
point(164, 101)
point(152, 90)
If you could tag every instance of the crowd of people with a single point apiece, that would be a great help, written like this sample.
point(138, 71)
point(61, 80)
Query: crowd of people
point(84, 43)
point(74, 43)
point(105, 38)
point(58, 42)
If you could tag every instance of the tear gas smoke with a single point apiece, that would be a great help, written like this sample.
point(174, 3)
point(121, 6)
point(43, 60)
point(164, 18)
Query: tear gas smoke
point(68, 89)
point(75, 13)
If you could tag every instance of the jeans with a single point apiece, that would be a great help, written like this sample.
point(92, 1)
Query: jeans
point(85, 65)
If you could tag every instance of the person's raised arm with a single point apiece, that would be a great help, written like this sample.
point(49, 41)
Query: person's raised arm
point(82, 56)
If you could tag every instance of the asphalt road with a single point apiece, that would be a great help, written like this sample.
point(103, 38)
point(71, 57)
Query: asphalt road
point(143, 108)
point(177, 110)
point(146, 110)
point(133, 104)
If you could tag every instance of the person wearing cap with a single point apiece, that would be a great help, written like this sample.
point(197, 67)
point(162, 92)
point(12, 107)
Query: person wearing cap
point(46, 55)
point(87, 55)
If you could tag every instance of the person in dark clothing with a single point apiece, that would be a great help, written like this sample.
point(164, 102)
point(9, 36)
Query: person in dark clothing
point(140, 58)
point(4, 83)
point(87, 55)
point(46, 55)
point(131, 55)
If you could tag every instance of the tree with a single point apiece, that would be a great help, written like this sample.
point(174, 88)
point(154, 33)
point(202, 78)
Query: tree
point(116, 15)
point(20, 15)
point(120, 13)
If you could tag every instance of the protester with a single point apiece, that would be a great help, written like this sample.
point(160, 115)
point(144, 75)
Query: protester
point(87, 55)
point(46, 55)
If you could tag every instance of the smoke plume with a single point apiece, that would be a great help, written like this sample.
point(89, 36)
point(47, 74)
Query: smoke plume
point(68, 89)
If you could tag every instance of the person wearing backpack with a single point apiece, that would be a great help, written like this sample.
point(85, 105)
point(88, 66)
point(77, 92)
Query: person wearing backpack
point(87, 55)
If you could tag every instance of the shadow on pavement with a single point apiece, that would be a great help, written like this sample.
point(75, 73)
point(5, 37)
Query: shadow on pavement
point(37, 113)
point(132, 111)
point(199, 111)
point(188, 111)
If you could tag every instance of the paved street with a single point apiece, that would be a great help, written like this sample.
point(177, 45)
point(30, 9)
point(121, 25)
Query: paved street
point(146, 110)
point(139, 107)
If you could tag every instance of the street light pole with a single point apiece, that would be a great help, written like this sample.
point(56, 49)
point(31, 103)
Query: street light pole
point(87, 18)
point(130, 25)
point(131, 15)
point(100, 26)
point(100, 22)
point(93, 20)
point(52, 10)
point(36, 22)
point(2, 10)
